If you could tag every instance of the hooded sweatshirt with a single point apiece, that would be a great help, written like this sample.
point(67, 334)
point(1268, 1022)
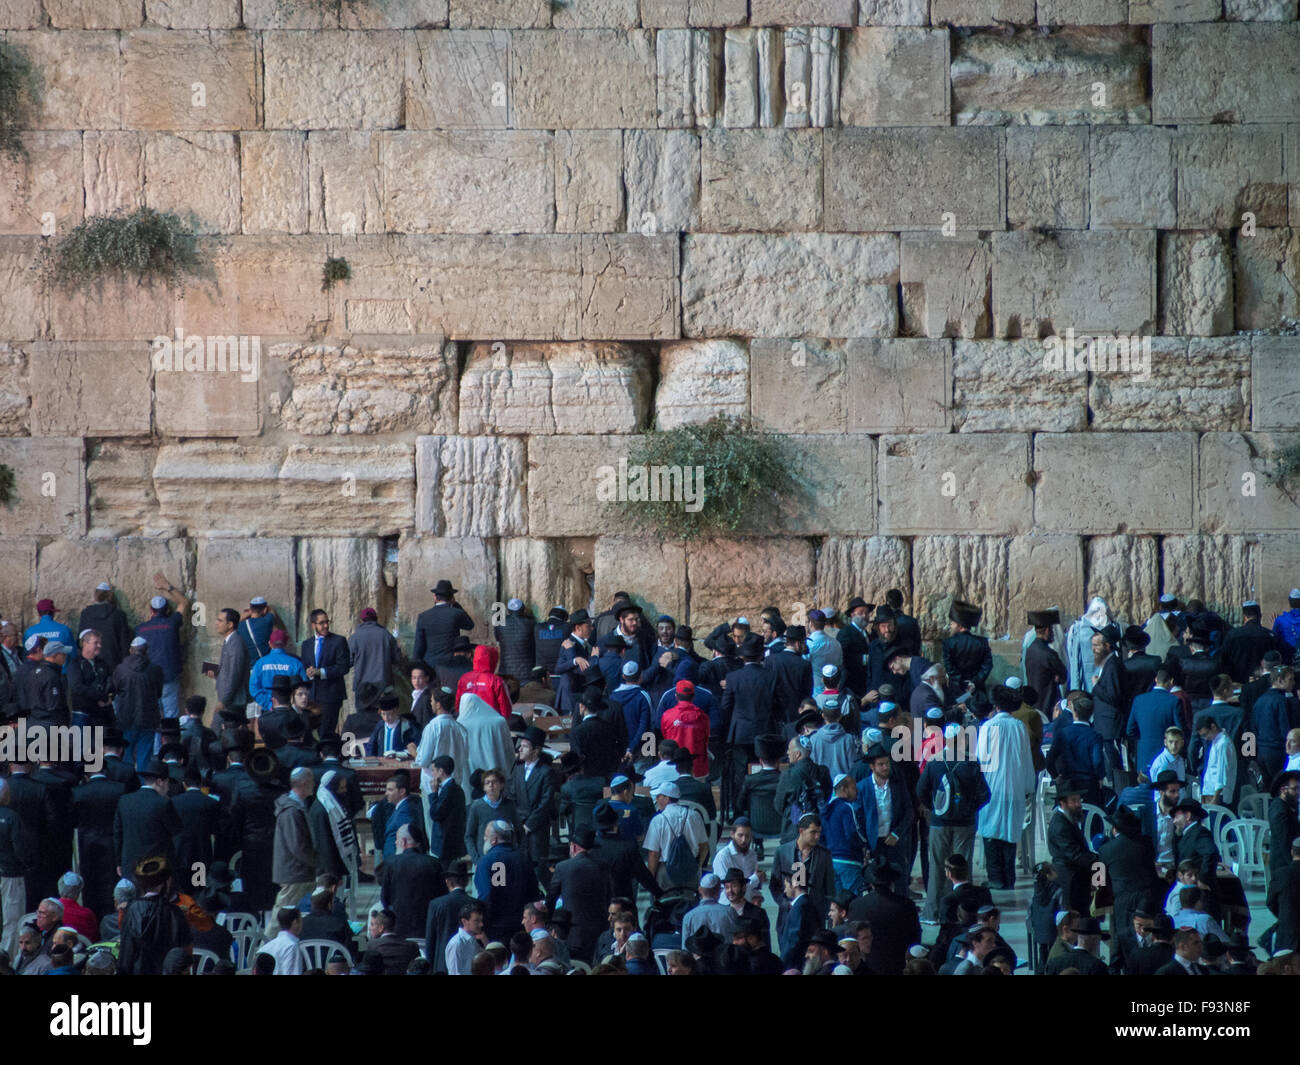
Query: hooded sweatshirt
point(483, 681)
point(688, 726)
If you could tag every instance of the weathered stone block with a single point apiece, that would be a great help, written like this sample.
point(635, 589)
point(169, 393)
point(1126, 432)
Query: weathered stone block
point(119, 474)
point(752, 78)
point(583, 79)
point(469, 182)
point(948, 483)
point(892, 12)
point(588, 181)
point(815, 285)
point(193, 14)
point(1043, 570)
point(954, 177)
point(15, 391)
point(92, 389)
point(661, 172)
point(1224, 72)
point(470, 486)
point(802, 12)
point(1078, 492)
point(18, 579)
point(1278, 563)
point(554, 388)
point(654, 568)
point(1082, 12)
point(345, 186)
point(1225, 171)
point(44, 184)
point(1196, 384)
point(112, 171)
point(699, 379)
point(194, 175)
point(895, 77)
point(229, 572)
point(394, 15)
point(1259, 10)
point(1095, 281)
point(628, 287)
point(457, 79)
point(273, 178)
point(835, 488)
point(43, 466)
point(798, 386)
point(116, 308)
point(581, 14)
point(867, 566)
point(342, 575)
point(191, 80)
point(693, 12)
point(502, 14)
point(24, 313)
point(1195, 284)
point(947, 286)
point(898, 385)
point(756, 180)
point(81, 75)
point(812, 76)
point(1115, 199)
point(370, 385)
point(1238, 488)
point(1275, 382)
point(547, 573)
point(332, 80)
point(1267, 275)
point(1038, 79)
point(563, 483)
point(1221, 571)
point(1125, 571)
point(1047, 178)
point(1002, 385)
point(21, 15)
point(740, 577)
point(688, 77)
point(211, 403)
point(277, 15)
point(980, 12)
point(469, 563)
point(1145, 12)
point(973, 568)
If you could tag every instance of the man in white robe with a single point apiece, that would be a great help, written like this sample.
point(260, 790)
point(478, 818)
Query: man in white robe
point(1008, 768)
point(442, 735)
point(490, 743)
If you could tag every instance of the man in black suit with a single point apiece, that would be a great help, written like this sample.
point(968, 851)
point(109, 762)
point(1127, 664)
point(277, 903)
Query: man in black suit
point(622, 857)
point(572, 662)
point(436, 629)
point(855, 644)
point(1128, 941)
point(585, 885)
point(1186, 961)
point(330, 750)
point(384, 941)
point(30, 800)
point(1045, 672)
point(1110, 712)
point(199, 815)
point(146, 823)
point(693, 789)
point(1287, 898)
point(421, 711)
point(1138, 670)
point(1148, 960)
point(595, 740)
point(196, 737)
point(228, 781)
point(272, 724)
point(58, 844)
point(446, 801)
point(895, 920)
point(295, 751)
point(748, 709)
point(449, 669)
point(115, 766)
point(409, 881)
point(443, 918)
point(94, 807)
point(1071, 858)
point(533, 793)
point(1194, 840)
point(791, 673)
point(326, 661)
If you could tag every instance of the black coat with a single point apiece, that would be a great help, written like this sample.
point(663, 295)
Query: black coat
point(578, 798)
point(597, 742)
point(1087, 964)
point(749, 703)
point(1147, 961)
point(351, 799)
point(146, 824)
point(1045, 673)
point(94, 806)
point(895, 926)
point(115, 768)
point(534, 803)
point(447, 811)
point(58, 842)
point(1138, 676)
point(335, 659)
point(396, 952)
point(1071, 861)
point(1287, 894)
point(199, 815)
point(108, 620)
point(1243, 648)
point(518, 648)
point(139, 688)
point(1109, 713)
point(967, 657)
point(622, 857)
point(855, 648)
point(436, 630)
point(151, 927)
point(1197, 842)
point(332, 927)
point(31, 801)
point(585, 885)
point(408, 882)
point(442, 921)
point(90, 682)
point(793, 681)
point(1283, 827)
point(41, 692)
point(328, 859)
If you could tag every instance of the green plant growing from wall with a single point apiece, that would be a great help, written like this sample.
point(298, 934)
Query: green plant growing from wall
point(713, 479)
point(20, 89)
point(8, 492)
point(1285, 472)
point(149, 244)
point(335, 270)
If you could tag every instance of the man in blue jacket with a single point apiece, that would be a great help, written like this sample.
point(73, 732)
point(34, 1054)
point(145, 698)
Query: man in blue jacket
point(844, 833)
point(504, 881)
point(1152, 713)
point(1077, 751)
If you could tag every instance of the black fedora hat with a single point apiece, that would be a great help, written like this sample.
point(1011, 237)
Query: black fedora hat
point(282, 682)
point(156, 769)
point(1192, 807)
point(965, 614)
point(625, 606)
point(1088, 926)
point(444, 588)
point(1043, 619)
point(705, 941)
point(1282, 778)
point(1167, 776)
point(579, 617)
point(1136, 636)
point(262, 765)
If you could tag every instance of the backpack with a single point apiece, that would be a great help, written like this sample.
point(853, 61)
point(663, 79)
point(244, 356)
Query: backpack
point(947, 794)
point(681, 863)
point(810, 798)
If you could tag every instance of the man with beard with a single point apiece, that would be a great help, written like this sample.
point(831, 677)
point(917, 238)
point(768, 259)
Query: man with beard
point(1158, 818)
point(1109, 710)
point(576, 656)
point(855, 646)
point(1194, 840)
point(1283, 826)
point(1274, 713)
point(749, 705)
point(966, 657)
point(1009, 772)
point(893, 918)
point(1137, 668)
point(884, 645)
point(1071, 858)
point(1045, 672)
point(792, 674)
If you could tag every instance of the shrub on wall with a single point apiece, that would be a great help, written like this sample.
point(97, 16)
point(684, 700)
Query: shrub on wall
point(20, 88)
point(149, 244)
point(7, 493)
point(335, 270)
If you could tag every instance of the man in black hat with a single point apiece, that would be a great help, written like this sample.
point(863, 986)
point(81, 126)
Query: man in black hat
point(966, 657)
point(1194, 841)
point(1137, 669)
point(271, 725)
point(199, 815)
point(330, 750)
point(533, 792)
point(1083, 954)
point(855, 642)
point(1245, 645)
point(585, 886)
point(94, 809)
point(1071, 859)
point(442, 920)
point(1159, 950)
point(410, 880)
point(822, 953)
point(152, 926)
point(884, 646)
point(748, 706)
point(576, 657)
point(895, 920)
point(791, 674)
point(1045, 672)
point(436, 628)
point(634, 631)
point(1287, 899)
point(1198, 665)
point(1109, 709)
point(1283, 826)
point(249, 825)
point(146, 822)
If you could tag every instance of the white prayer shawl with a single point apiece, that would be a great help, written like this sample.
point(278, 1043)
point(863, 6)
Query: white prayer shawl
point(1162, 636)
point(341, 827)
point(1078, 642)
point(444, 735)
point(1008, 768)
point(490, 744)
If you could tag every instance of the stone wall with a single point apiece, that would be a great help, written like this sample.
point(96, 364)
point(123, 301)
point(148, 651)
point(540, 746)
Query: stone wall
point(861, 224)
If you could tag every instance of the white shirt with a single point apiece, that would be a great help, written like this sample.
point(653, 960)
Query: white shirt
point(461, 951)
point(1293, 762)
point(673, 820)
point(1202, 922)
point(884, 811)
point(1220, 767)
point(284, 949)
point(730, 858)
point(1165, 834)
point(660, 774)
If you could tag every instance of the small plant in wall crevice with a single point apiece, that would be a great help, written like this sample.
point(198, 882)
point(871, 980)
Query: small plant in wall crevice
point(20, 89)
point(148, 244)
point(336, 269)
point(8, 492)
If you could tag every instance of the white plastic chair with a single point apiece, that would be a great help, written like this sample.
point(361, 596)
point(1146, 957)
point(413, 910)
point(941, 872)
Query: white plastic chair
point(1215, 818)
point(1044, 806)
point(1091, 816)
point(316, 952)
point(421, 944)
point(661, 959)
point(246, 929)
point(1254, 806)
point(1243, 850)
point(710, 827)
point(204, 961)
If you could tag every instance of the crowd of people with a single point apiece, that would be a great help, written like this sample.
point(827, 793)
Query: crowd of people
point(611, 794)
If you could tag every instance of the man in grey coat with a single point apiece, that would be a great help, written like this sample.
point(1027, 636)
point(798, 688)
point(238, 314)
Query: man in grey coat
point(293, 863)
point(231, 675)
point(375, 653)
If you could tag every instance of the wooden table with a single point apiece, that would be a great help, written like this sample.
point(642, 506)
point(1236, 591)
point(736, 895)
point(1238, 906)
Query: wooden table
point(373, 774)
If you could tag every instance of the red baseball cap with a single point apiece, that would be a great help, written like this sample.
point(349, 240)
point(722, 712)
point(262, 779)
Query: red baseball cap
point(685, 688)
point(46, 606)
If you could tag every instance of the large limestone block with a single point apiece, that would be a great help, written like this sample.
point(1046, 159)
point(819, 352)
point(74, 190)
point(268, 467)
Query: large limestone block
point(947, 286)
point(802, 12)
point(191, 80)
point(564, 481)
point(81, 75)
point(798, 386)
point(393, 15)
point(1102, 282)
point(581, 14)
point(688, 77)
point(1238, 487)
point(469, 182)
point(1227, 171)
point(1085, 485)
point(470, 486)
point(961, 484)
point(973, 568)
point(1196, 284)
point(342, 575)
point(583, 79)
point(193, 14)
point(1279, 562)
point(699, 379)
point(1001, 385)
point(588, 181)
point(345, 182)
point(220, 489)
point(1221, 571)
point(756, 180)
point(1047, 177)
point(1267, 278)
point(1115, 200)
point(333, 80)
point(693, 12)
point(896, 12)
point(1036, 79)
point(661, 173)
point(43, 185)
point(370, 385)
point(547, 573)
point(15, 392)
point(1202, 383)
point(861, 565)
point(1146, 12)
point(1226, 72)
point(729, 578)
point(834, 488)
point(898, 385)
point(92, 389)
point(628, 287)
point(1259, 10)
point(49, 487)
point(955, 178)
point(654, 570)
point(895, 76)
point(211, 403)
point(457, 79)
point(114, 308)
point(815, 285)
point(812, 76)
point(554, 388)
point(469, 563)
point(273, 177)
point(17, 580)
point(1043, 570)
point(122, 502)
point(1125, 571)
point(277, 15)
point(112, 170)
point(229, 572)
point(21, 15)
point(23, 311)
point(194, 175)
point(504, 14)
point(68, 570)
point(980, 12)
point(1275, 382)
point(752, 86)
point(1082, 12)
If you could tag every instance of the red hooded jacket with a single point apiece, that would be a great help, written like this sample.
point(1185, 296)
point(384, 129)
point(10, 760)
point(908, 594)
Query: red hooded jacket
point(688, 726)
point(483, 681)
